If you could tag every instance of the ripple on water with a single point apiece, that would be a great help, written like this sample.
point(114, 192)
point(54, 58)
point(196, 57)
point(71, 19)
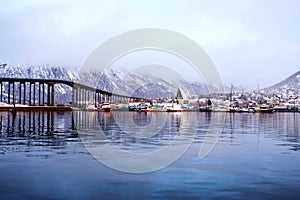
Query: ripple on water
point(256, 156)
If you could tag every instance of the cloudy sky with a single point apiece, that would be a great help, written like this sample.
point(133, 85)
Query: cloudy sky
point(250, 42)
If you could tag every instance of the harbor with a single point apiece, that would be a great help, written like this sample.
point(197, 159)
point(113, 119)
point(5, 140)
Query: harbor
point(149, 100)
point(41, 150)
point(38, 94)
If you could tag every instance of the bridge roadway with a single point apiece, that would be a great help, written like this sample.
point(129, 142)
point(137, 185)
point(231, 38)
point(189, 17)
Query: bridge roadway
point(40, 93)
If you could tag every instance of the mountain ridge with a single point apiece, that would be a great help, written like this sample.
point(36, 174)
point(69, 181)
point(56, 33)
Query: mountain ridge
point(129, 84)
point(112, 81)
point(291, 81)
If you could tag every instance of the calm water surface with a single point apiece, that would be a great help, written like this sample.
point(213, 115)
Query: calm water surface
point(42, 156)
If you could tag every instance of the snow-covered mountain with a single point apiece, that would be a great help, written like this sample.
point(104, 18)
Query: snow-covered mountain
point(139, 85)
point(43, 71)
point(63, 93)
point(291, 81)
point(131, 84)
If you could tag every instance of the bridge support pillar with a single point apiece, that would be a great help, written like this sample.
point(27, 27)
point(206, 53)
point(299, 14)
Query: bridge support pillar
point(1, 85)
point(34, 94)
point(95, 99)
point(103, 98)
point(88, 97)
point(52, 95)
point(24, 93)
point(84, 97)
point(99, 98)
point(73, 96)
point(20, 92)
point(39, 94)
point(30, 93)
point(43, 96)
point(48, 95)
point(79, 97)
point(13, 92)
point(8, 98)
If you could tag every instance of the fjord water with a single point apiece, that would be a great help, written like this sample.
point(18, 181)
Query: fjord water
point(42, 156)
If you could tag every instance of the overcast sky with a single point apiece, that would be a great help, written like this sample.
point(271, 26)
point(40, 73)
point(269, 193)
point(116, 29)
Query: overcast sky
point(249, 41)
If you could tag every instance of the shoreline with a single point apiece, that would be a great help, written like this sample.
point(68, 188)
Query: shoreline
point(69, 108)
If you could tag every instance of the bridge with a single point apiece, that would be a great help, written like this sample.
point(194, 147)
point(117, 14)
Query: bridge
point(40, 92)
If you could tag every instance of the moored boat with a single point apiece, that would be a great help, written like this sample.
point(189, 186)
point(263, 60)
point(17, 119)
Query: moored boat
point(251, 110)
point(174, 108)
point(264, 108)
point(132, 108)
point(205, 109)
point(90, 108)
point(105, 107)
point(285, 108)
point(143, 107)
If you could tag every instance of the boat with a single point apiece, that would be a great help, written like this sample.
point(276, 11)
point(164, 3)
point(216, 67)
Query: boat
point(251, 110)
point(132, 108)
point(285, 108)
point(205, 109)
point(243, 109)
point(233, 109)
point(264, 108)
point(174, 108)
point(143, 107)
point(105, 107)
point(90, 108)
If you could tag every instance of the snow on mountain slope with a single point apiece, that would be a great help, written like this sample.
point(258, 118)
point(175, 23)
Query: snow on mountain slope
point(131, 84)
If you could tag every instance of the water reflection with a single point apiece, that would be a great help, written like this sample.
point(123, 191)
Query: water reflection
point(35, 129)
point(42, 150)
point(282, 127)
point(137, 142)
point(152, 130)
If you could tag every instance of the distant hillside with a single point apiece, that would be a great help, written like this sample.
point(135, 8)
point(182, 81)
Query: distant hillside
point(291, 81)
point(112, 80)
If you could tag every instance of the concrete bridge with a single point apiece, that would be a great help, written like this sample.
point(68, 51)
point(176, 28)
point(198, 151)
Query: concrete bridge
point(40, 92)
